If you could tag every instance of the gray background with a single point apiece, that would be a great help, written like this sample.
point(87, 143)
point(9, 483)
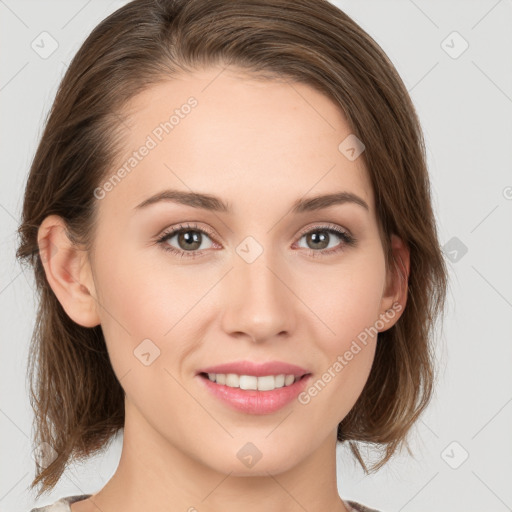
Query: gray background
point(464, 101)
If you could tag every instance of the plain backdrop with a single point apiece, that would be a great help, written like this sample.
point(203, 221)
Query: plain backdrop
point(455, 58)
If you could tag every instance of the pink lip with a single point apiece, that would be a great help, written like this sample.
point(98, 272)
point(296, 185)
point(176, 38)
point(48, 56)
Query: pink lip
point(256, 369)
point(251, 401)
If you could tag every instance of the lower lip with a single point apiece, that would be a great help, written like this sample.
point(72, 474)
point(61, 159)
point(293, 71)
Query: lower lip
point(252, 401)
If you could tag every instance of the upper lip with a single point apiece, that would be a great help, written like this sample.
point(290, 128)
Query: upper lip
point(256, 369)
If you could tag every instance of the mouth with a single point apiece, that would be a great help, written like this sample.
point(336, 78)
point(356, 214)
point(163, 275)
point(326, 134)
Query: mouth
point(254, 387)
point(253, 382)
point(251, 394)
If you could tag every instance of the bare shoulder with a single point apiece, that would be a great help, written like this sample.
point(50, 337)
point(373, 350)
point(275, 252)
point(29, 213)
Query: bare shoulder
point(83, 505)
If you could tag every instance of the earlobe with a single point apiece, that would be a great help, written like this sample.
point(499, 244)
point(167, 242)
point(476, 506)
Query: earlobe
point(395, 296)
point(68, 272)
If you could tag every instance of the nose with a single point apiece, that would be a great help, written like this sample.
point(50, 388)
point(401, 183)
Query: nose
point(259, 303)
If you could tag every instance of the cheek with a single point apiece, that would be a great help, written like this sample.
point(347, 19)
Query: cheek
point(350, 307)
point(140, 302)
point(349, 297)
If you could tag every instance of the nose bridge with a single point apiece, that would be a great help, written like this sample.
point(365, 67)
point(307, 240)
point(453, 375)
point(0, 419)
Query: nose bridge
point(259, 303)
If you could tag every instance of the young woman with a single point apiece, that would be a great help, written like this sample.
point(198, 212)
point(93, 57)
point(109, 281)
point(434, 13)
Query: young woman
point(230, 224)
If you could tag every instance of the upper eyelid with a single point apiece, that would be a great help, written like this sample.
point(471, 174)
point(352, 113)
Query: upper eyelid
point(328, 225)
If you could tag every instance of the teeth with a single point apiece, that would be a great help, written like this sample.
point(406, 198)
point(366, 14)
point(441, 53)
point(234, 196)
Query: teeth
point(265, 383)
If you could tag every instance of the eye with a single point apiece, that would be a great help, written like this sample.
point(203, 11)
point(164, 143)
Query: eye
point(319, 240)
point(189, 239)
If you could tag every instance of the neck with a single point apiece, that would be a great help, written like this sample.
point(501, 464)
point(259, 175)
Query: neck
point(155, 474)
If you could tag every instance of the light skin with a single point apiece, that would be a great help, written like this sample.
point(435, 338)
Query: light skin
point(259, 146)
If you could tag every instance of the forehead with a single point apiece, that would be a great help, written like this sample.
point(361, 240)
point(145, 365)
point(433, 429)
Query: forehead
point(223, 132)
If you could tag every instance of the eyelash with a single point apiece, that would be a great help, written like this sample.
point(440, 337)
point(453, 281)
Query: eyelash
point(347, 240)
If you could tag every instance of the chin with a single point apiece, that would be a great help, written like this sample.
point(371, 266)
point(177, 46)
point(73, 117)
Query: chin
point(249, 462)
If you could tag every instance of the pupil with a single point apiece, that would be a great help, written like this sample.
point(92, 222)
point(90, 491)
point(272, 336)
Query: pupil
point(319, 237)
point(190, 239)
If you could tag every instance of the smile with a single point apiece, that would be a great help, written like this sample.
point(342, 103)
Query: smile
point(262, 383)
point(243, 393)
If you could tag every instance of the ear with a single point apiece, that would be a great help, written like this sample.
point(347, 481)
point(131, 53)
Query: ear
point(395, 292)
point(68, 272)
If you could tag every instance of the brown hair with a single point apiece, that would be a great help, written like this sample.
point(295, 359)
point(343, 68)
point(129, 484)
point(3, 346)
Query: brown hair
point(77, 399)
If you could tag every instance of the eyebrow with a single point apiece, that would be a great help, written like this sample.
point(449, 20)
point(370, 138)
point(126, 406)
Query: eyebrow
point(215, 204)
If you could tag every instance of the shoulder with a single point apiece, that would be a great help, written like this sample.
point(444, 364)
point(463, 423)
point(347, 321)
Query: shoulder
point(358, 507)
point(61, 505)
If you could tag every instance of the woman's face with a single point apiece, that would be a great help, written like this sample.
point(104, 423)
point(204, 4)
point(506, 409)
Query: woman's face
point(257, 281)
